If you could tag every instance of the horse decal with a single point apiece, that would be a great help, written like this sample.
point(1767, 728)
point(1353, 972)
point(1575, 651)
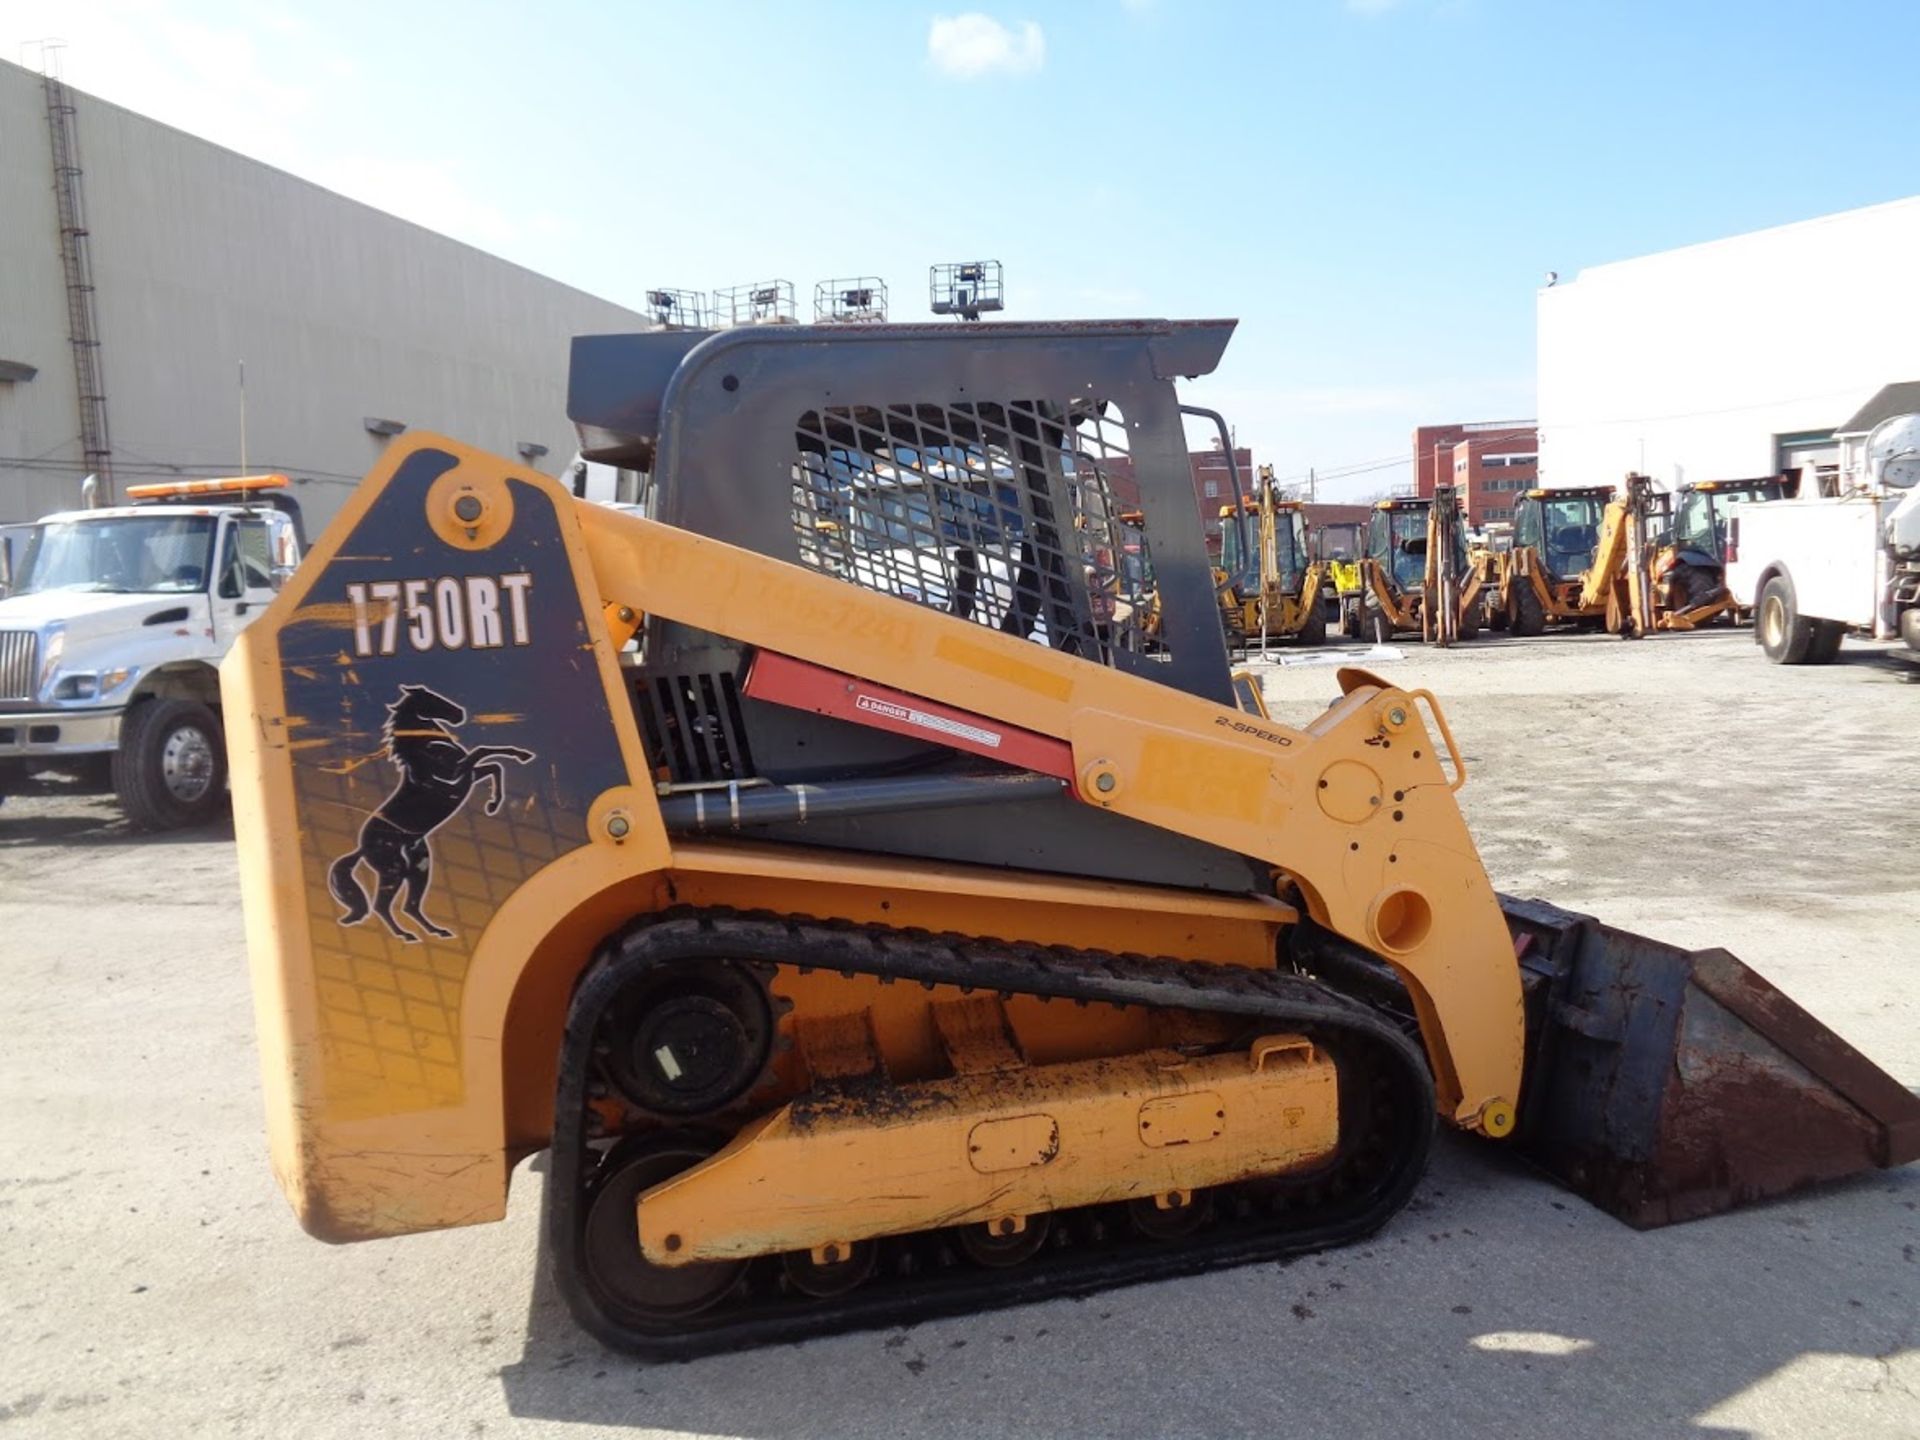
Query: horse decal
point(437, 774)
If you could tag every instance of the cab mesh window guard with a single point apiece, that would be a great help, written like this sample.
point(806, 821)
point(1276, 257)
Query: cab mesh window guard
point(1001, 513)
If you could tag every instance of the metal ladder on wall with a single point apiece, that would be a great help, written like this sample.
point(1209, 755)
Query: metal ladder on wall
point(82, 323)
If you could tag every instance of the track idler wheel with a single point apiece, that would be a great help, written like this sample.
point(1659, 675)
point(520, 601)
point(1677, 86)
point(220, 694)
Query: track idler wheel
point(826, 1276)
point(1171, 1222)
point(633, 1289)
point(687, 1041)
point(1000, 1249)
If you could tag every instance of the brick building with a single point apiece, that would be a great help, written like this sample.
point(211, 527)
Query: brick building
point(1212, 485)
point(1489, 462)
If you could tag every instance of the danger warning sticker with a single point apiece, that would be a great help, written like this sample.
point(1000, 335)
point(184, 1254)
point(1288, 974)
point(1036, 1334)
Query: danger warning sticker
point(873, 704)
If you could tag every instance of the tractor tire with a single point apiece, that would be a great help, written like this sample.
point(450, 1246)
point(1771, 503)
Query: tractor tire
point(1497, 617)
point(171, 768)
point(1469, 628)
point(1350, 619)
point(1529, 618)
point(1784, 636)
point(1314, 632)
point(1910, 628)
point(1827, 635)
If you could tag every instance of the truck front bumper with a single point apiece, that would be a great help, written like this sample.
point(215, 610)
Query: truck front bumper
point(49, 734)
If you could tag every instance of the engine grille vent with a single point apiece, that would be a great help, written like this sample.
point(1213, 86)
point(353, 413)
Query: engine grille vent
point(19, 656)
point(691, 727)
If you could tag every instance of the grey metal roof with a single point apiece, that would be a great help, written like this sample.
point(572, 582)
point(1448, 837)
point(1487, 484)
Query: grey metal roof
point(1901, 398)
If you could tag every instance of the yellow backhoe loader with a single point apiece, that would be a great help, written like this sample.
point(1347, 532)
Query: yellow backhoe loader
point(1270, 584)
point(909, 934)
point(1541, 579)
point(1416, 574)
point(1643, 577)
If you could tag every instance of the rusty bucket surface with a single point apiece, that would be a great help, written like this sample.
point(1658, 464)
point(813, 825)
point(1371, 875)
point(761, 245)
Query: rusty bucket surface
point(1664, 1084)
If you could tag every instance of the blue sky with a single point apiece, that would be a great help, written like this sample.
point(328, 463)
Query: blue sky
point(1374, 187)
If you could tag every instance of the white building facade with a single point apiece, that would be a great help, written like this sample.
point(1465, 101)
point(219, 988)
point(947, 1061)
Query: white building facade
point(350, 322)
point(1731, 359)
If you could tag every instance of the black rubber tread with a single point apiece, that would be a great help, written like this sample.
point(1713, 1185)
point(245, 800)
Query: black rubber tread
point(1796, 633)
point(1386, 1103)
point(137, 779)
point(1314, 632)
point(1827, 638)
point(1529, 616)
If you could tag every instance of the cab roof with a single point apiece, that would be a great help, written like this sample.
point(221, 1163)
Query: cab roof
point(1757, 483)
point(133, 512)
point(1574, 492)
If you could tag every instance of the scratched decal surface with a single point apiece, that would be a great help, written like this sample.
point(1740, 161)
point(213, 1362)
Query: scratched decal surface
point(432, 696)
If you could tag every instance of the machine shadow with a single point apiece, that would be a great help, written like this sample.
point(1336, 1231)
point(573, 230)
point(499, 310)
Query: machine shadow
point(1495, 1305)
point(56, 813)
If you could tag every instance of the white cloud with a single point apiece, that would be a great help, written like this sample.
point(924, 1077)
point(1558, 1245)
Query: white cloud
point(972, 45)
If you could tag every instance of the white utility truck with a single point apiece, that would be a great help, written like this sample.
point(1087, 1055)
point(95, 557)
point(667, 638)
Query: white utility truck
point(1820, 566)
point(113, 631)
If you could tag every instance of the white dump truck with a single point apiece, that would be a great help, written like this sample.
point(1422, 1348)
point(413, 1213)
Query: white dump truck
point(1818, 567)
point(110, 638)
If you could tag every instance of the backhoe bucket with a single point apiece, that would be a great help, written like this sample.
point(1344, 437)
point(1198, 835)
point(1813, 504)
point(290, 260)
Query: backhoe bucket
point(1665, 1084)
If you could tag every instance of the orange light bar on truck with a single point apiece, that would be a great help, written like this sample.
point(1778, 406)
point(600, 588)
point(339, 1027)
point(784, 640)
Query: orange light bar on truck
point(183, 488)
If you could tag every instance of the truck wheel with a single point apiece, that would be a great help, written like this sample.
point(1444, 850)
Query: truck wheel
point(1910, 628)
point(1528, 617)
point(1783, 635)
point(1314, 632)
point(171, 768)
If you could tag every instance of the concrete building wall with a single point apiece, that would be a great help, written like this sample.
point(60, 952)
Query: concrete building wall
point(202, 259)
point(1728, 359)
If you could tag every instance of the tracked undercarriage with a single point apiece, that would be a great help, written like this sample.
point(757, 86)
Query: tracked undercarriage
point(702, 967)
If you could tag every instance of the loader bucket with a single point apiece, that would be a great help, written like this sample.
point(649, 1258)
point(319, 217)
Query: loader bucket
point(1665, 1084)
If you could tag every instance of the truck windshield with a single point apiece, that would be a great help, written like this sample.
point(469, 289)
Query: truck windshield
point(125, 554)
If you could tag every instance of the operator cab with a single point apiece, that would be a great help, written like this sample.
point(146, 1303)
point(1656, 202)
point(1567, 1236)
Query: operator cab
point(1562, 526)
point(1397, 542)
point(1707, 514)
point(159, 546)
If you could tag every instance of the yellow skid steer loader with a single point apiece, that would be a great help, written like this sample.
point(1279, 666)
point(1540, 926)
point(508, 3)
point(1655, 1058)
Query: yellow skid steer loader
point(909, 933)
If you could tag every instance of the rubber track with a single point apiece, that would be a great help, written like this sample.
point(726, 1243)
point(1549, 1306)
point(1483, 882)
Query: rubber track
point(1384, 1082)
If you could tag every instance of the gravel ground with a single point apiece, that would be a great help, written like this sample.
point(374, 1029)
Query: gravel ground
point(152, 1281)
